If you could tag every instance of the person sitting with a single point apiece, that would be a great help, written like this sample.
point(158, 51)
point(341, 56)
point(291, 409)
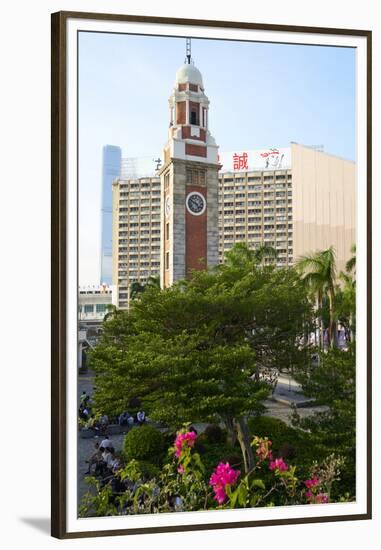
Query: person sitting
point(141, 417)
point(103, 423)
point(114, 461)
point(83, 398)
point(96, 458)
point(108, 457)
point(83, 413)
point(124, 419)
point(106, 443)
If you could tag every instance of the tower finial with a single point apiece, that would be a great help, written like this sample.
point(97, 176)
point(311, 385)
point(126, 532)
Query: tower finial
point(188, 51)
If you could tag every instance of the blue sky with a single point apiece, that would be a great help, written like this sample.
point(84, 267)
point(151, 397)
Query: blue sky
point(261, 95)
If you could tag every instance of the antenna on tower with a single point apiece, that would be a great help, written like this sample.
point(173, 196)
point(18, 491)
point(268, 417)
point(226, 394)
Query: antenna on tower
point(188, 51)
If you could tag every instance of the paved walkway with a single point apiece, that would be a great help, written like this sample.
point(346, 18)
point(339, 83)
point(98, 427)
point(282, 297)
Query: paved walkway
point(289, 393)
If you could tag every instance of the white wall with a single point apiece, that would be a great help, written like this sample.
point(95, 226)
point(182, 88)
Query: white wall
point(25, 147)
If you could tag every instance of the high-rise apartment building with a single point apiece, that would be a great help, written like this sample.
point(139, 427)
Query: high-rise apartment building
point(111, 165)
point(136, 234)
point(296, 199)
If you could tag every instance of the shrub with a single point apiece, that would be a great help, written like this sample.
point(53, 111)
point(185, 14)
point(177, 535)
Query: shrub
point(148, 470)
point(215, 434)
point(144, 443)
point(267, 426)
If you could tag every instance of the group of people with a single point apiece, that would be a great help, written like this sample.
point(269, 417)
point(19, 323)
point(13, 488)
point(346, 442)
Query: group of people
point(104, 459)
point(126, 419)
point(100, 424)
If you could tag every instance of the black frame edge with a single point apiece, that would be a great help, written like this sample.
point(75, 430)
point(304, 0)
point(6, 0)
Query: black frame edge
point(58, 272)
point(58, 275)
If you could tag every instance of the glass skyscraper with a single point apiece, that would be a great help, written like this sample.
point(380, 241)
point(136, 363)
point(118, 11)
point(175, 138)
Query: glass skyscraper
point(112, 155)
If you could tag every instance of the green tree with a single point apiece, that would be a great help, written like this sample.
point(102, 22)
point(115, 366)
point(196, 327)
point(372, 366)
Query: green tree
point(193, 352)
point(137, 288)
point(350, 266)
point(346, 304)
point(319, 274)
point(332, 383)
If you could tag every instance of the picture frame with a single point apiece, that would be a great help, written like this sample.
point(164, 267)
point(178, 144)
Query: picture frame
point(65, 70)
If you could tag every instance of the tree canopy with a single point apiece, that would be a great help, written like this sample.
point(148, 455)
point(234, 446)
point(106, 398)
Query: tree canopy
point(193, 352)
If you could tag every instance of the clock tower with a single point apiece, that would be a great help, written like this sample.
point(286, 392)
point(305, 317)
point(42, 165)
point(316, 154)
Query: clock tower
point(189, 181)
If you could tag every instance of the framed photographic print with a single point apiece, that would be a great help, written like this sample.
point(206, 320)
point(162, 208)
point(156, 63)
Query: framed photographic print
point(211, 261)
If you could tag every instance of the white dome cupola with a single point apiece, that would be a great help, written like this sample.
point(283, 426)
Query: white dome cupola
point(188, 132)
point(188, 73)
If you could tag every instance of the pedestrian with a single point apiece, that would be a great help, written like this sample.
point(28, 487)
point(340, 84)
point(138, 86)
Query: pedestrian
point(141, 417)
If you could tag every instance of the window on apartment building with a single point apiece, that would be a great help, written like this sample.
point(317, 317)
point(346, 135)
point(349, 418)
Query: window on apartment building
point(100, 308)
point(167, 260)
point(88, 308)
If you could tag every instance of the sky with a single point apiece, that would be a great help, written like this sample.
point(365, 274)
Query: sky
point(261, 95)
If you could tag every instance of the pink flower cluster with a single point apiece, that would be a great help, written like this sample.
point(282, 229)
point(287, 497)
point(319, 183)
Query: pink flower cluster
point(320, 498)
point(278, 465)
point(184, 440)
point(311, 482)
point(223, 477)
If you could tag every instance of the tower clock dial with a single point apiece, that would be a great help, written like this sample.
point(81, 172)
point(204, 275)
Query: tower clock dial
point(195, 203)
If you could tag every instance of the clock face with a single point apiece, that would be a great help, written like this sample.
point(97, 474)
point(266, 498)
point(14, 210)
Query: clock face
point(196, 203)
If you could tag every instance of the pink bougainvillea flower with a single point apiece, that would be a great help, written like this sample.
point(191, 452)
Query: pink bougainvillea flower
point(181, 469)
point(223, 476)
point(311, 482)
point(321, 498)
point(183, 440)
point(278, 465)
point(309, 494)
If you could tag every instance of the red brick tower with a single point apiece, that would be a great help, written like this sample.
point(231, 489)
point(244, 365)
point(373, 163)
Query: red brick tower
point(189, 178)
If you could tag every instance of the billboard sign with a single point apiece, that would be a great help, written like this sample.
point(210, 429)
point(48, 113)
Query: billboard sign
point(272, 158)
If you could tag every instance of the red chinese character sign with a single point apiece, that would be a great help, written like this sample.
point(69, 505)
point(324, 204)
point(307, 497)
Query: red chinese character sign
point(240, 161)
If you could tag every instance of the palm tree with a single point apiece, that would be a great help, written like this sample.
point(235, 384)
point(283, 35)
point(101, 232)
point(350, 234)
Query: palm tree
point(241, 255)
point(152, 282)
point(351, 263)
point(348, 301)
point(136, 288)
point(319, 273)
point(265, 251)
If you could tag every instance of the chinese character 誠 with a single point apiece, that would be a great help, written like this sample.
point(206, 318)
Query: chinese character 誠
point(240, 161)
